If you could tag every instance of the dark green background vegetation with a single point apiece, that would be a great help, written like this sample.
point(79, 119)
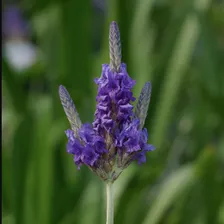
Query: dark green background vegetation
point(178, 46)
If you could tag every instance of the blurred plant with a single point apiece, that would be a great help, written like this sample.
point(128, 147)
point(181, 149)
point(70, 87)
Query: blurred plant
point(18, 49)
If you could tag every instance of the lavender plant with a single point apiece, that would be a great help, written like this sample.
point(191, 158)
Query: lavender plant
point(116, 137)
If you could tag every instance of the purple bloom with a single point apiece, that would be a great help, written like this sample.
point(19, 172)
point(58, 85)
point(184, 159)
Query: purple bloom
point(113, 99)
point(86, 147)
point(13, 24)
point(141, 155)
point(116, 137)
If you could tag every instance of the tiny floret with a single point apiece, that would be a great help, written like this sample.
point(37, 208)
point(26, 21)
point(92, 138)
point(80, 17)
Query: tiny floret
point(116, 137)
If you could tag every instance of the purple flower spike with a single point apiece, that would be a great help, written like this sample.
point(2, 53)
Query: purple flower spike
point(116, 136)
point(113, 99)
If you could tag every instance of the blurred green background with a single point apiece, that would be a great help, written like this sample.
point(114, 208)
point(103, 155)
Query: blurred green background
point(177, 45)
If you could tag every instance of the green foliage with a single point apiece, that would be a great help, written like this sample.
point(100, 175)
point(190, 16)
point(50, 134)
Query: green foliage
point(178, 46)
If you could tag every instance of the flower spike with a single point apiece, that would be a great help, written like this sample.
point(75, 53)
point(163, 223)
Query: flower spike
point(116, 137)
point(70, 110)
point(115, 47)
point(143, 104)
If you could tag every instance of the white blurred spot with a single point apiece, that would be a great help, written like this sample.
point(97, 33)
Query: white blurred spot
point(20, 54)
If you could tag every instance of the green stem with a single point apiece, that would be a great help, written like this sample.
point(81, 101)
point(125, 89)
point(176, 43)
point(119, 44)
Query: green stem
point(110, 204)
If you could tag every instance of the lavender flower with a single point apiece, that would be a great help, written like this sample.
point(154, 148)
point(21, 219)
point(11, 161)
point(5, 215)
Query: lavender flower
point(115, 138)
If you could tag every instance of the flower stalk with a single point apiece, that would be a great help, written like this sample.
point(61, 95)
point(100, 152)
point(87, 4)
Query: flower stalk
point(117, 136)
point(110, 203)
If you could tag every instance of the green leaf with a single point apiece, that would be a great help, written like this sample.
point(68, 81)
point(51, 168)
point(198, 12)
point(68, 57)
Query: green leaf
point(176, 70)
point(75, 28)
point(22, 147)
point(14, 87)
point(43, 147)
point(142, 36)
point(172, 187)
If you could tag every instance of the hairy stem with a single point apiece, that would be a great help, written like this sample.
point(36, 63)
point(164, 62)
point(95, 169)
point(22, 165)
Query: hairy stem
point(110, 203)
